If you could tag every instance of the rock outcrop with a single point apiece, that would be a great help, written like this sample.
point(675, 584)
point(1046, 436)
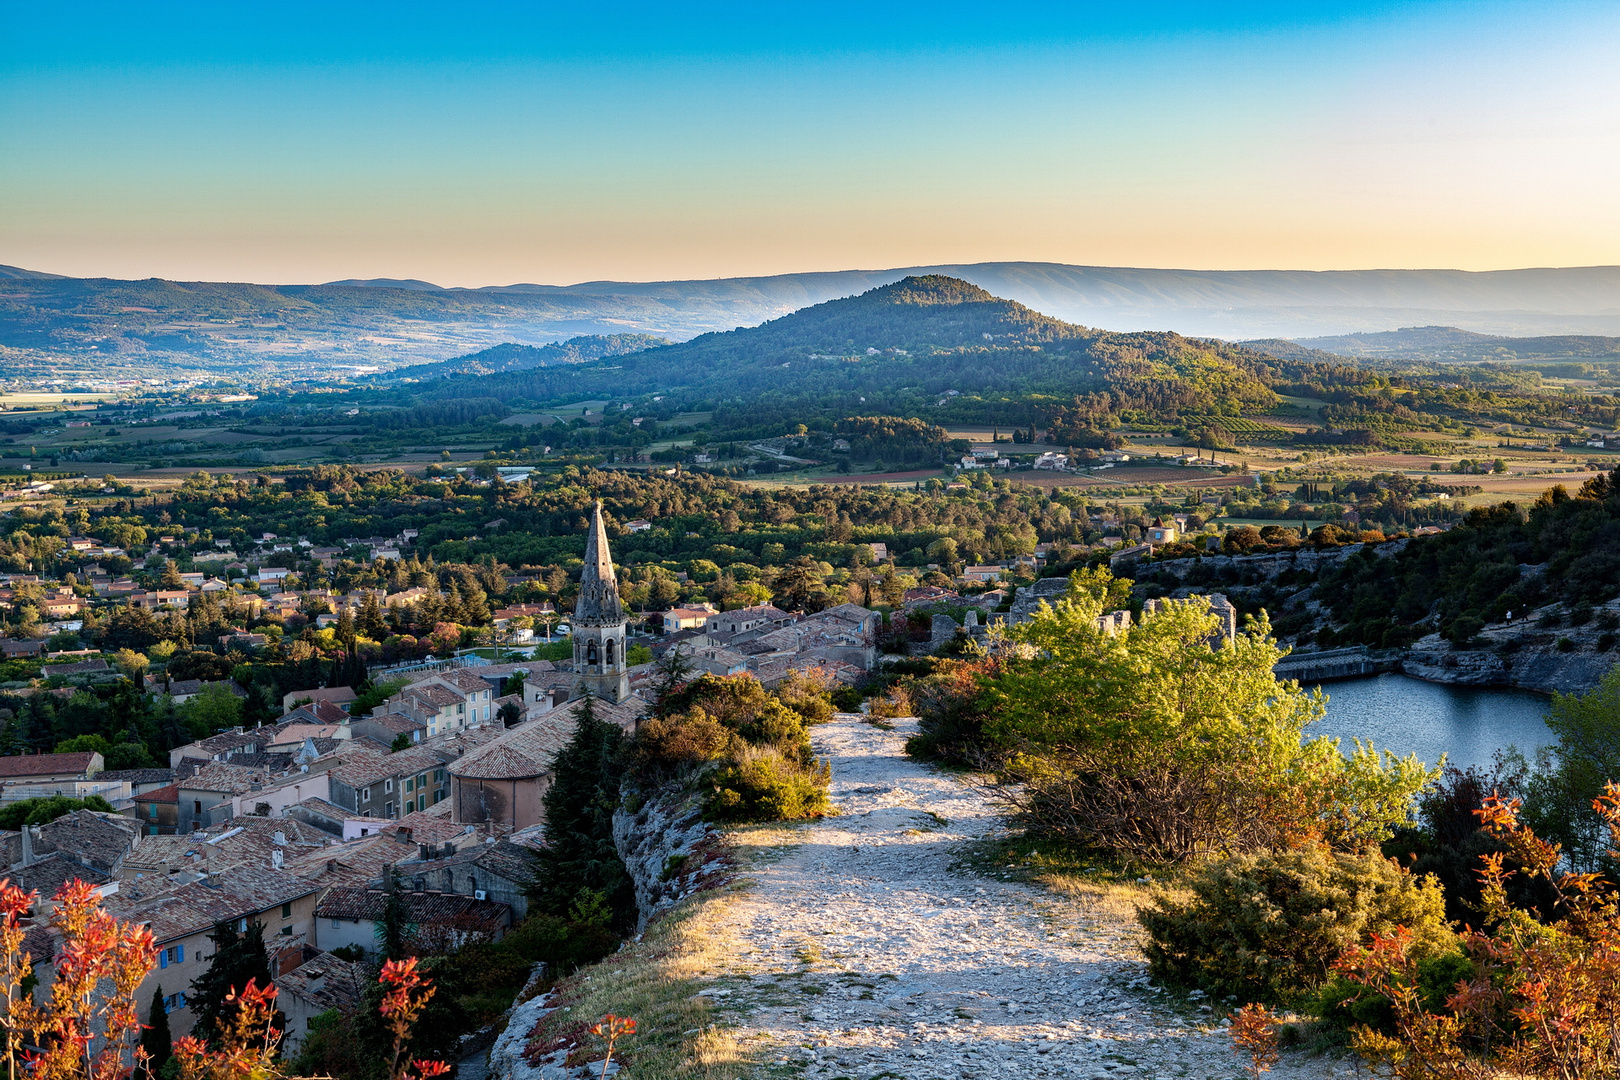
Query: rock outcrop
point(667, 847)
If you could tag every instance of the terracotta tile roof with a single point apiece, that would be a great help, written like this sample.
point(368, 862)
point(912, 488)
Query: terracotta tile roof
point(435, 695)
point(138, 776)
point(398, 723)
point(328, 982)
point(356, 862)
point(51, 873)
point(227, 741)
point(45, 764)
point(97, 840)
point(316, 712)
point(365, 771)
point(226, 779)
point(195, 907)
point(169, 794)
point(428, 827)
point(504, 859)
point(367, 905)
point(528, 749)
point(242, 841)
point(466, 680)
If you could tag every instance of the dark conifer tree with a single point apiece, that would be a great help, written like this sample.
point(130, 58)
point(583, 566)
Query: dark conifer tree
point(579, 854)
point(237, 959)
point(155, 1038)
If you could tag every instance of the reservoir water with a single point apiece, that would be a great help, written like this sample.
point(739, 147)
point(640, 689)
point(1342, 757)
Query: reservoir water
point(1467, 724)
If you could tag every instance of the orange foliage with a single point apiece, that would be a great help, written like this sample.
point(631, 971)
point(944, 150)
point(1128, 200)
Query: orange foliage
point(1254, 1032)
point(1546, 1000)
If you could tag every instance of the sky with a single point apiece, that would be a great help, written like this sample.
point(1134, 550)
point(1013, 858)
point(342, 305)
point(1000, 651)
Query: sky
point(493, 143)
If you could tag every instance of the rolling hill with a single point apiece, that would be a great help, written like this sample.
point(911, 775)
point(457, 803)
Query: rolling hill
point(97, 325)
point(906, 348)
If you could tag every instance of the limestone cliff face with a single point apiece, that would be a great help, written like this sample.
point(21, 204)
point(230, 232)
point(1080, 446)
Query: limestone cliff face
point(667, 847)
point(1531, 661)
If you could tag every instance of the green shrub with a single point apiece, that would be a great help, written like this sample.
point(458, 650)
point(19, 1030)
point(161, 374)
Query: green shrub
point(1341, 1005)
point(760, 784)
point(1269, 927)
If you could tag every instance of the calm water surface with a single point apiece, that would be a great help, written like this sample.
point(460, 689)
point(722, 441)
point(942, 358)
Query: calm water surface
point(1407, 715)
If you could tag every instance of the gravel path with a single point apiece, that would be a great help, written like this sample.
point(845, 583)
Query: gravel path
point(866, 955)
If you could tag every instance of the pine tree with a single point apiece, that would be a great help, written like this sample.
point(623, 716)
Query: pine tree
point(393, 929)
point(579, 855)
point(237, 959)
point(371, 619)
point(155, 1039)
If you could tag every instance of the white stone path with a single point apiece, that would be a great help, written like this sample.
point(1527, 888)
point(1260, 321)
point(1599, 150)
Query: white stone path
point(873, 957)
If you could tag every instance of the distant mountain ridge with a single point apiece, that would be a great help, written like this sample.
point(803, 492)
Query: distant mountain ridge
point(1451, 343)
point(392, 323)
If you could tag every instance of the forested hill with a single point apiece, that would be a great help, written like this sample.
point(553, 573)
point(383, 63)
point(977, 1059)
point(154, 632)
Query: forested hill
point(905, 347)
point(511, 357)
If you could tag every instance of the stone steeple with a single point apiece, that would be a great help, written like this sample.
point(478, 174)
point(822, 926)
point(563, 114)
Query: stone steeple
point(598, 626)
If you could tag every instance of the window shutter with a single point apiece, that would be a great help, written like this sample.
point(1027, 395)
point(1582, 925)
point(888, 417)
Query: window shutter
point(182, 954)
point(163, 958)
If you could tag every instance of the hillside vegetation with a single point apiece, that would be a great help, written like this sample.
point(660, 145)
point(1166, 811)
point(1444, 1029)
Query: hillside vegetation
point(904, 347)
point(1565, 549)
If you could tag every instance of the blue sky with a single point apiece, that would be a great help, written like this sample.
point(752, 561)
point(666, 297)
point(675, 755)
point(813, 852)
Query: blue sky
point(483, 144)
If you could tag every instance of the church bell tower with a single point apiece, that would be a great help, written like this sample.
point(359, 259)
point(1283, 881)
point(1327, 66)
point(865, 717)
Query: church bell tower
point(599, 664)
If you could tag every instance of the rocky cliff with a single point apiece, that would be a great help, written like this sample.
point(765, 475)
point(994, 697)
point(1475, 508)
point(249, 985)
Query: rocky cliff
point(667, 847)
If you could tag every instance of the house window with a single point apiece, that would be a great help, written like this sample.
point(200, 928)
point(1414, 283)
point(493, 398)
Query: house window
point(173, 1002)
point(196, 806)
point(286, 931)
point(388, 785)
point(410, 784)
point(460, 709)
point(337, 924)
point(151, 809)
point(286, 911)
point(174, 954)
point(365, 796)
point(388, 810)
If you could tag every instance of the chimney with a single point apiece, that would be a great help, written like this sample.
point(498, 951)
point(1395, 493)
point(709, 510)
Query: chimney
point(280, 838)
point(276, 859)
point(28, 845)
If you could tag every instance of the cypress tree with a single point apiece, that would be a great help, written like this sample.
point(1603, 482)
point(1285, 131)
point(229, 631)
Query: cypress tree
point(393, 931)
point(237, 959)
point(155, 1039)
point(579, 855)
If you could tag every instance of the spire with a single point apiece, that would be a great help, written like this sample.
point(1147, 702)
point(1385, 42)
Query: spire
point(598, 560)
point(598, 586)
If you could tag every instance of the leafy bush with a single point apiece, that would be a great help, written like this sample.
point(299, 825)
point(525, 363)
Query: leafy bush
point(1270, 927)
point(951, 713)
point(1342, 1005)
point(760, 784)
point(1546, 996)
point(748, 747)
point(1163, 743)
point(15, 815)
point(1448, 842)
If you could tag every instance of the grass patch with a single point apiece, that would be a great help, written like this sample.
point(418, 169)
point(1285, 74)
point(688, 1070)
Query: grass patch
point(656, 980)
point(1104, 885)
